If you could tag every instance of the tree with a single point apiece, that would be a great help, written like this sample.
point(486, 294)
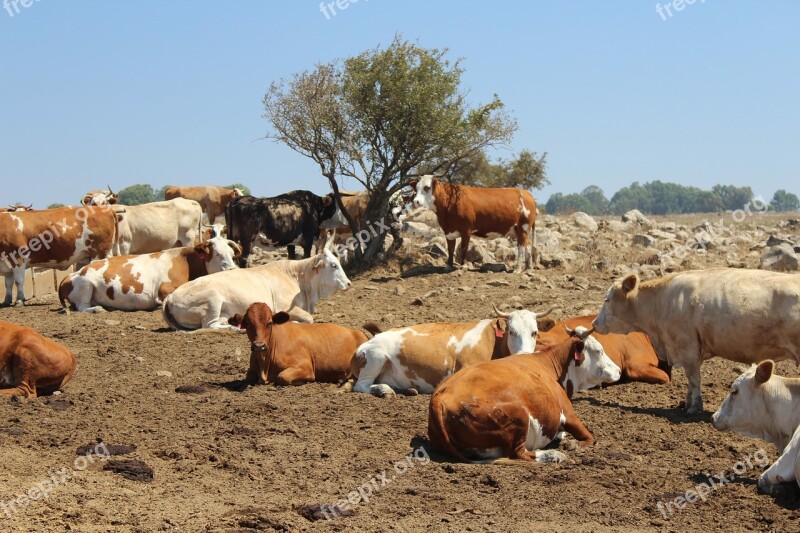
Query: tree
point(527, 171)
point(53, 206)
point(560, 204)
point(785, 201)
point(137, 194)
point(733, 197)
point(244, 188)
point(597, 200)
point(382, 117)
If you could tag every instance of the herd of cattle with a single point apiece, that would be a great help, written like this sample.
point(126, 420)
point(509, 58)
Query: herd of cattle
point(500, 387)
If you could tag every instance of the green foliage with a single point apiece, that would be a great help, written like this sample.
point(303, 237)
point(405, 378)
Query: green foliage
point(591, 200)
point(54, 206)
point(244, 188)
point(527, 171)
point(785, 201)
point(137, 194)
point(660, 198)
point(160, 195)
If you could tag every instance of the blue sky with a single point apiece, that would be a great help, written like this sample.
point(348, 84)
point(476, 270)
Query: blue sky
point(170, 91)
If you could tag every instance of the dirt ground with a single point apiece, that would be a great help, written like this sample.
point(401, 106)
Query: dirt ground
point(231, 458)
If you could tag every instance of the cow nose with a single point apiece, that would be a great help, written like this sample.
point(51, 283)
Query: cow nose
point(259, 346)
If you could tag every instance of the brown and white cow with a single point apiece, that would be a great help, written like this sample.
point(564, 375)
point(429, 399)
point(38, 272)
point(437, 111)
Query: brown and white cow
point(52, 238)
point(31, 364)
point(766, 406)
point(157, 226)
point(417, 358)
point(511, 408)
point(13, 208)
point(99, 197)
point(211, 198)
point(288, 353)
point(738, 314)
point(633, 353)
point(141, 282)
point(464, 211)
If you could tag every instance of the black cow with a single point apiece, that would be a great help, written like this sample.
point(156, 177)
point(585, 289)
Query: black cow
point(287, 220)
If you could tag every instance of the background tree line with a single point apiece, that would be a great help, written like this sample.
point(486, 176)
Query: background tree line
point(142, 193)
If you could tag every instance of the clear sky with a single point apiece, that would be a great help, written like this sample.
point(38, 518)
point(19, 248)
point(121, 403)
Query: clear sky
point(122, 92)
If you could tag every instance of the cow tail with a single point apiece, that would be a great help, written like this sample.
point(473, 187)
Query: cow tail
point(437, 432)
point(373, 327)
point(169, 318)
point(64, 288)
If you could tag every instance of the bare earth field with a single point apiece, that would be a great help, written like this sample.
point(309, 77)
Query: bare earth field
point(230, 458)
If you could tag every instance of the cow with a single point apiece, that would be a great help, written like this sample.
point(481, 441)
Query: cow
point(52, 238)
point(141, 282)
point(287, 220)
point(287, 353)
point(415, 359)
point(766, 406)
point(505, 411)
point(13, 208)
point(157, 226)
point(31, 364)
point(464, 211)
point(738, 314)
point(632, 353)
point(285, 285)
point(212, 199)
point(100, 197)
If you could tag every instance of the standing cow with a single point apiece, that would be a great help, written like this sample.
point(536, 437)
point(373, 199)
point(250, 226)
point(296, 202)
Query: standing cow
point(211, 198)
point(287, 220)
point(99, 197)
point(742, 315)
point(464, 211)
point(157, 226)
point(52, 238)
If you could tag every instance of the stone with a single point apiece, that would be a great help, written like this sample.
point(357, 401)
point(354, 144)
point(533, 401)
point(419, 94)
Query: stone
point(635, 216)
point(642, 239)
point(583, 220)
point(781, 258)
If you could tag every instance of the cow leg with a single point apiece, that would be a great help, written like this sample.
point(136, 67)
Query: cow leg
point(247, 246)
point(295, 376)
point(12, 371)
point(308, 244)
point(9, 290)
point(300, 315)
point(646, 374)
point(694, 397)
point(291, 250)
point(451, 249)
point(464, 248)
point(19, 280)
point(575, 427)
point(783, 469)
point(376, 361)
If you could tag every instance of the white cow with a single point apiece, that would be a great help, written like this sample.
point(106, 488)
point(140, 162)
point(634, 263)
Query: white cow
point(742, 315)
point(141, 282)
point(157, 226)
point(291, 286)
point(766, 406)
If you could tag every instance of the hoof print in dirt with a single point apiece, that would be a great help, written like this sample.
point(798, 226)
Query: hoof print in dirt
point(190, 389)
point(102, 448)
point(132, 469)
point(317, 511)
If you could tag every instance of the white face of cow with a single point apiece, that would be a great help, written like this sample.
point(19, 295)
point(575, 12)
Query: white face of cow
point(744, 411)
point(424, 197)
point(616, 302)
point(330, 272)
point(596, 367)
point(522, 332)
point(223, 255)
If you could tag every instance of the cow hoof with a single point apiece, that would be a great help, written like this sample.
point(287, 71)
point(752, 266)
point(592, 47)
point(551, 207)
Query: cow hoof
point(411, 392)
point(19, 303)
point(382, 391)
point(550, 456)
point(764, 485)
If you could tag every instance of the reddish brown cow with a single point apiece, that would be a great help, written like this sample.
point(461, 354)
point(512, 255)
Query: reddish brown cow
point(484, 212)
point(211, 198)
point(512, 407)
point(288, 353)
point(32, 364)
point(633, 352)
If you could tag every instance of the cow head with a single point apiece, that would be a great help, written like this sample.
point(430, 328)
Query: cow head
point(237, 193)
point(107, 197)
point(255, 321)
point(592, 366)
point(19, 208)
point(425, 187)
point(331, 216)
point(521, 329)
point(213, 230)
point(219, 254)
point(744, 411)
point(329, 273)
point(616, 314)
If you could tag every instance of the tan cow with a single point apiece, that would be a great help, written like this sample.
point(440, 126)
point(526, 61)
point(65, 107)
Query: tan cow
point(211, 198)
point(417, 358)
point(287, 353)
point(52, 238)
point(31, 364)
point(742, 315)
point(511, 408)
point(157, 226)
point(141, 282)
point(464, 211)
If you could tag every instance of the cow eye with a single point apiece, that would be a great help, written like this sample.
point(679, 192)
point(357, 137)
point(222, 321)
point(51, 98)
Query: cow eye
point(427, 189)
point(734, 391)
point(533, 334)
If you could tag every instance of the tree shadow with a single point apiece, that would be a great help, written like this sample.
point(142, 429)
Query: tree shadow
point(424, 270)
point(676, 415)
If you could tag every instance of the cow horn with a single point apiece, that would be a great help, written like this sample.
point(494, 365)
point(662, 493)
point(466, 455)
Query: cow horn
point(110, 192)
point(235, 246)
point(545, 313)
point(499, 313)
point(329, 240)
point(29, 206)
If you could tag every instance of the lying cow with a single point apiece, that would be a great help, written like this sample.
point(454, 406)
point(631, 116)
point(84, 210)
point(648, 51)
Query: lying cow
point(417, 358)
point(141, 282)
point(483, 212)
point(513, 407)
point(294, 286)
point(287, 353)
point(212, 199)
point(742, 315)
point(31, 364)
point(632, 353)
point(157, 226)
point(766, 406)
point(52, 238)
point(287, 220)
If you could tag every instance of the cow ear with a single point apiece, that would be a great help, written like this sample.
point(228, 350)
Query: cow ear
point(764, 371)
point(281, 317)
point(203, 251)
point(545, 324)
point(413, 184)
point(326, 200)
point(236, 320)
point(629, 283)
point(318, 262)
point(579, 356)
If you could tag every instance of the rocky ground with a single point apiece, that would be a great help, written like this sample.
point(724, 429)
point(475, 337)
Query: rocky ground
point(214, 455)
